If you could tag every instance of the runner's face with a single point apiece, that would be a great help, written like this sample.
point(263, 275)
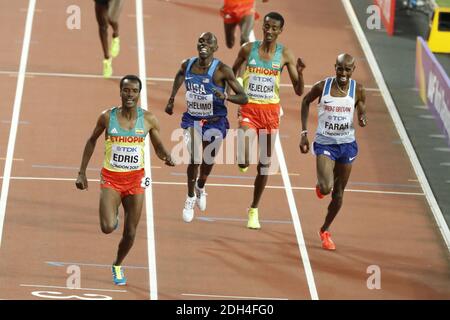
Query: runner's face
point(206, 45)
point(271, 29)
point(344, 72)
point(130, 93)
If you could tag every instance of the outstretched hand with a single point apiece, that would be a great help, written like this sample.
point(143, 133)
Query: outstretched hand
point(362, 121)
point(169, 107)
point(169, 162)
point(300, 65)
point(304, 144)
point(81, 182)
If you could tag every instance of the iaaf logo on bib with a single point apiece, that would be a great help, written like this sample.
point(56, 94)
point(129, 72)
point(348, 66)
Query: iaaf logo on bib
point(127, 149)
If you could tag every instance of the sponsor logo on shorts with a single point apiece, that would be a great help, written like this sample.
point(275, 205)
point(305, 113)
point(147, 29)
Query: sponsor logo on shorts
point(352, 158)
point(246, 120)
point(327, 152)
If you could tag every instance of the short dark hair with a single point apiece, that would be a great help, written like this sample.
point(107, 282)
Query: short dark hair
point(131, 77)
point(275, 16)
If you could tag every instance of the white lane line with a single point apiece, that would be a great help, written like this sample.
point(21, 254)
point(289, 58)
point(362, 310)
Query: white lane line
point(69, 288)
point(296, 220)
point(442, 149)
point(228, 185)
point(228, 297)
point(61, 264)
point(153, 284)
point(13, 159)
point(373, 64)
point(97, 76)
point(213, 219)
point(51, 166)
point(15, 115)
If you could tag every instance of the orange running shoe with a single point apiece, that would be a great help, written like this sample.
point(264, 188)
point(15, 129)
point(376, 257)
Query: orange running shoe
point(319, 195)
point(327, 243)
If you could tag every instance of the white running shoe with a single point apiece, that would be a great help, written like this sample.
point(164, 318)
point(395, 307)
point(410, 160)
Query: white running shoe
point(201, 197)
point(188, 211)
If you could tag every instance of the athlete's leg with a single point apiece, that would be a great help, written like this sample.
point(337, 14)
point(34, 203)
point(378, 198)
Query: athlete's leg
point(101, 13)
point(266, 144)
point(109, 204)
point(246, 26)
point(325, 168)
point(193, 140)
point(341, 175)
point(246, 136)
point(115, 8)
point(210, 149)
point(133, 208)
point(230, 29)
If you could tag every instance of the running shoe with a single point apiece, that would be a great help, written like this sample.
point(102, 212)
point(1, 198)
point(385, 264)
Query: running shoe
point(188, 211)
point(253, 222)
point(201, 197)
point(107, 68)
point(327, 243)
point(243, 170)
point(115, 47)
point(319, 195)
point(118, 276)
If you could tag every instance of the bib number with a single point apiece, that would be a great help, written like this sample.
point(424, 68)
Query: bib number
point(261, 87)
point(126, 157)
point(199, 105)
point(146, 182)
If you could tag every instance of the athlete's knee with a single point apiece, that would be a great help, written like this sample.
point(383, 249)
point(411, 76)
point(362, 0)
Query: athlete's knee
point(338, 195)
point(103, 27)
point(129, 234)
point(325, 188)
point(107, 227)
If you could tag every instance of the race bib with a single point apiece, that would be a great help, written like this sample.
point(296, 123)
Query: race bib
point(126, 157)
point(199, 105)
point(261, 87)
point(146, 182)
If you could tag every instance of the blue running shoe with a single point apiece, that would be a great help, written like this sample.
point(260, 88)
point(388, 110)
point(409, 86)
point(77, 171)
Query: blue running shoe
point(118, 276)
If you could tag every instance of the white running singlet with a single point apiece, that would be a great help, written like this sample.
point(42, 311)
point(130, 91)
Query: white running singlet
point(336, 115)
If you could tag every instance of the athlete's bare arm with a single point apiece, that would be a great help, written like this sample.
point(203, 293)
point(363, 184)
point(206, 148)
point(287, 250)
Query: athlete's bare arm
point(227, 76)
point(295, 71)
point(177, 82)
point(153, 128)
point(101, 125)
point(361, 105)
point(242, 57)
point(316, 92)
